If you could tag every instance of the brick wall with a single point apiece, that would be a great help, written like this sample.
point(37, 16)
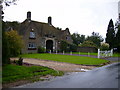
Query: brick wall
point(87, 49)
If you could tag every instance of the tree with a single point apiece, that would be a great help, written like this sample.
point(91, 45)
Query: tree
point(15, 42)
point(104, 46)
point(118, 39)
point(110, 35)
point(77, 38)
point(95, 38)
point(5, 49)
point(67, 47)
point(14, 25)
point(6, 3)
point(87, 44)
point(5, 43)
point(64, 46)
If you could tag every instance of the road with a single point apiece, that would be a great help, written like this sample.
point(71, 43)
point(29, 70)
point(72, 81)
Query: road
point(101, 77)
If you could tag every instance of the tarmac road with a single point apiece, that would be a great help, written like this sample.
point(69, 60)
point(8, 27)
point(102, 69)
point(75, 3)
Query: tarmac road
point(102, 77)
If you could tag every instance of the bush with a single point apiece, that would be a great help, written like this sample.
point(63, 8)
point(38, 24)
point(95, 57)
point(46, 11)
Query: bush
point(41, 49)
point(73, 47)
point(67, 47)
point(20, 61)
point(15, 42)
point(87, 44)
point(104, 46)
point(11, 45)
point(64, 46)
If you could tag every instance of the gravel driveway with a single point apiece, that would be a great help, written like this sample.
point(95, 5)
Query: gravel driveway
point(61, 66)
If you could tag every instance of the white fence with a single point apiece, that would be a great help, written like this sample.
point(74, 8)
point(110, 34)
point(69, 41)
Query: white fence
point(106, 53)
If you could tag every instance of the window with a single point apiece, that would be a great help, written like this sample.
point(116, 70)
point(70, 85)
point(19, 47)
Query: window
point(32, 34)
point(67, 38)
point(31, 46)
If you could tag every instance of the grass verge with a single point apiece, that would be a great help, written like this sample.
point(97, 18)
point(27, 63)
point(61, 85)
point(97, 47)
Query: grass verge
point(12, 73)
point(95, 54)
point(67, 58)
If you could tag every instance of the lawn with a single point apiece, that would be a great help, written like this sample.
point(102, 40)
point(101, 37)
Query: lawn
point(83, 53)
point(13, 73)
point(66, 58)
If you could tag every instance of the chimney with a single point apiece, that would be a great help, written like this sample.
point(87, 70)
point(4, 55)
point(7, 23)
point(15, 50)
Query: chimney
point(28, 15)
point(50, 20)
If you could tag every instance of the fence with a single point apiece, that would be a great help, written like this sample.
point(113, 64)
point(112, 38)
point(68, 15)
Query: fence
point(106, 53)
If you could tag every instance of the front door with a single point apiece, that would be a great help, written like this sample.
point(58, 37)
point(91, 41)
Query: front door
point(49, 46)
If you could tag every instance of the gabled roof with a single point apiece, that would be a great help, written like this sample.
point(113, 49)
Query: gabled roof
point(42, 28)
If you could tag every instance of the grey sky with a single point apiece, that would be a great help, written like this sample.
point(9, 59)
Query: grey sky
point(82, 16)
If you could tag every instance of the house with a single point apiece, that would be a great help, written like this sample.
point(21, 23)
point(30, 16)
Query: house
point(37, 34)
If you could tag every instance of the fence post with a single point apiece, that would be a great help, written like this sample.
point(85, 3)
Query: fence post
point(71, 53)
point(98, 53)
point(56, 51)
point(63, 52)
point(111, 52)
point(50, 51)
point(106, 53)
point(88, 54)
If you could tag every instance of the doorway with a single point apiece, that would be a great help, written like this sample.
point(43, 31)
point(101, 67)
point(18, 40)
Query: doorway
point(49, 46)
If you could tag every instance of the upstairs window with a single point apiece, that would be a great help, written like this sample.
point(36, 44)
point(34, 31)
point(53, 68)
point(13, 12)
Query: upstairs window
point(67, 38)
point(32, 34)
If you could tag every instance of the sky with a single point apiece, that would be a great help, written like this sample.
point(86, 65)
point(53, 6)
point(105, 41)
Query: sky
point(80, 16)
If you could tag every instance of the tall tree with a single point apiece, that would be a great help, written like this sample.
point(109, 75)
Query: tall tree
point(110, 35)
point(77, 38)
point(95, 38)
point(5, 43)
point(5, 47)
point(5, 3)
point(118, 39)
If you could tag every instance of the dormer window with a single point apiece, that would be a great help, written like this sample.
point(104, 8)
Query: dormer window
point(32, 34)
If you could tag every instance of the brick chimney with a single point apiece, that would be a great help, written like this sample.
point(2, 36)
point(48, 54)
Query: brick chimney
point(50, 20)
point(28, 15)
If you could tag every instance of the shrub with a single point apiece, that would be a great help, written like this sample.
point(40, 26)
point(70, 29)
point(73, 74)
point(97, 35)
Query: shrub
point(104, 46)
point(64, 46)
point(20, 61)
point(73, 47)
point(41, 49)
point(15, 42)
point(67, 47)
point(87, 44)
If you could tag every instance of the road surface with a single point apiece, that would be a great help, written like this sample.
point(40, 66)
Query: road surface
point(101, 77)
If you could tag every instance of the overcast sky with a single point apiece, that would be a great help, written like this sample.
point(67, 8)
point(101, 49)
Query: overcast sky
point(82, 16)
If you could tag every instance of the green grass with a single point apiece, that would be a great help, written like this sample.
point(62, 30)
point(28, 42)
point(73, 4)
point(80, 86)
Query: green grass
point(95, 54)
point(13, 73)
point(116, 55)
point(67, 58)
point(83, 53)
